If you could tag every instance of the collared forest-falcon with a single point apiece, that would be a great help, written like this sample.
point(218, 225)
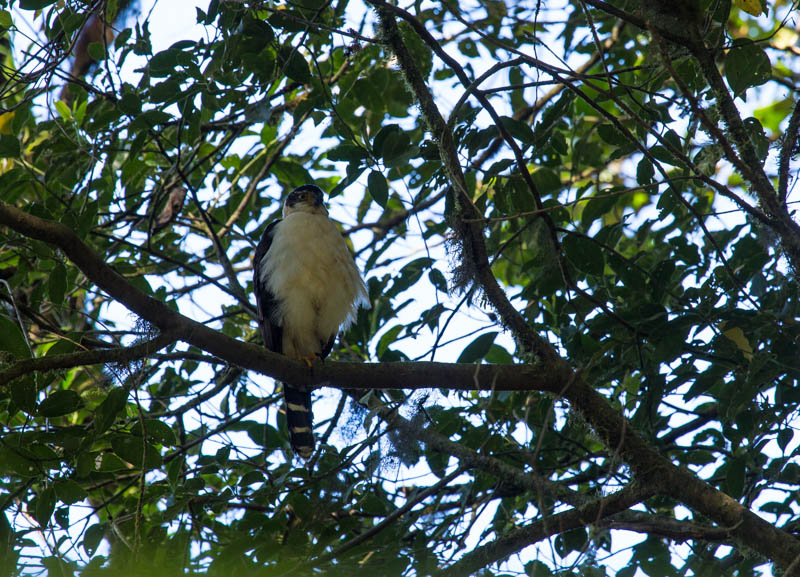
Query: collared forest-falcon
point(307, 288)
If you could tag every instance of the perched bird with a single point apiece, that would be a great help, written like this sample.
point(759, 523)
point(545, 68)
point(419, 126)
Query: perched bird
point(307, 288)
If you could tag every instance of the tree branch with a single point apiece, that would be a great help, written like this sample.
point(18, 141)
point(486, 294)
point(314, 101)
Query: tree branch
point(470, 234)
point(352, 375)
point(516, 540)
point(470, 458)
point(782, 222)
point(787, 150)
point(670, 528)
point(654, 470)
point(93, 357)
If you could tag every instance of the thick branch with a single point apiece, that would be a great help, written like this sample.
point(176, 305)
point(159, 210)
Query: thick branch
point(752, 168)
point(664, 27)
point(650, 466)
point(654, 470)
point(782, 222)
point(516, 540)
point(670, 528)
point(83, 358)
point(249, 356)
point(470, 233)
point(787, 150)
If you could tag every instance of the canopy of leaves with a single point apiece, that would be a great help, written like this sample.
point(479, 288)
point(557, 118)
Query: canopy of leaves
point(612, 183)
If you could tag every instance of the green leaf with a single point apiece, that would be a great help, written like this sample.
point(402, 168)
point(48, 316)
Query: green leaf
point(746, 65)
point(295, 65)
point(518, 129)
point(157, 431)
point(12, 340)
point(150, 119)
point(393, 145)
point(437, 280)
point(437, 462)
point(108, 410)
point(130, 448)
point(5, 19)
point(537, 569)
point(670, 340)
point(785, 437)
point(9, 146)
point(477, 349)
point(572, 540)
point(69, 492)
point(597, 207)
point(378, 187)
point(468, 48)
point(379, 140)
point(262, 434)
point(753, 7)
point(500, 166)
point(93, 536)
point(35, 4)
point(60, 403)
point(45, 504)
point(163, 63)
point(584, 254)
point(498, 355)
point(175, 470)
point(611, 134)
point(23, 393)
point(347, 152)
point(409, 275)
point(223, 454)
point(258, 32)
point(645, 171)
point(130, 103)
point(284, 22)
point(734, 480)
point(110, 462)
point(387, 339)
point(167, 91)
point(13, 461)
point(367, 94)
point(63, 110)
point(547, 180)
point(663, 154)
point(97, 51)
point(57, 284)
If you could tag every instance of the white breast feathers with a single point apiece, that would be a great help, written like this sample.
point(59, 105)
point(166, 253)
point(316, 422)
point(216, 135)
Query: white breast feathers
point(311, 272)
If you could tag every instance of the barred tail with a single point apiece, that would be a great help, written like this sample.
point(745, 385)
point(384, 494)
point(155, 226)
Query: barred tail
point(299, 420)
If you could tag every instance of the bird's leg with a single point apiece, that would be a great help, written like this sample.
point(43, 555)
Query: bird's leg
point(308, 360)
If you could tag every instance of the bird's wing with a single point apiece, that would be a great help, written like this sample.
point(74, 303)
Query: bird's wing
point(297, 399)
point(271, 331)
point(327, 347)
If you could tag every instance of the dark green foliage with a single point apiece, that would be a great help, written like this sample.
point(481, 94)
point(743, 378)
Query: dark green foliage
point(623, 219)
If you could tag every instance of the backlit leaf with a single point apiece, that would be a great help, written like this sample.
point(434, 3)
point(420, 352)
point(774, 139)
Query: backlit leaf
point(378, 188)
point(477, 349)
point(62, 402)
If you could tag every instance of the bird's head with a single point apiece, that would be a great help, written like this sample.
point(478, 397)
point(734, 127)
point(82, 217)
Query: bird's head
point(306, 198)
